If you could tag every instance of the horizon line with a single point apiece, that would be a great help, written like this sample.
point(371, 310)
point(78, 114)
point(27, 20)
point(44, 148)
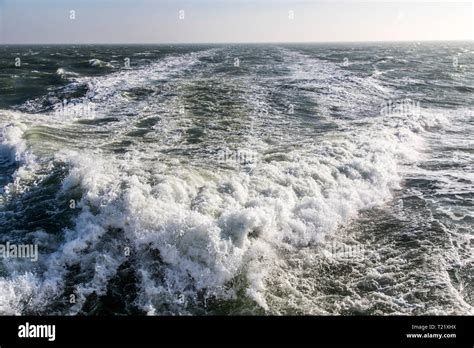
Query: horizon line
point(235, 43)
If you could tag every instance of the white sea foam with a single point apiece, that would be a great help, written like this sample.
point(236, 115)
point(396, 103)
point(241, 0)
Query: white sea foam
point(100, 63)
point(108, 90)
point(13, 149)
point(209, 229)
point(64, 73)
point(214, 227)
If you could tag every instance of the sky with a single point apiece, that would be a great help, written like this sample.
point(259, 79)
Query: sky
point(232, 21)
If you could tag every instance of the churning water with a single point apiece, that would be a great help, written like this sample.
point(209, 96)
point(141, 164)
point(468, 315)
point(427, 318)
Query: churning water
point(245, 179)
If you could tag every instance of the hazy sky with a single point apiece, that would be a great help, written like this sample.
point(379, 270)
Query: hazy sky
point(158, 21)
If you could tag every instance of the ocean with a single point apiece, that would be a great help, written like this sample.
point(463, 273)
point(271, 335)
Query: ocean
point(272, 179)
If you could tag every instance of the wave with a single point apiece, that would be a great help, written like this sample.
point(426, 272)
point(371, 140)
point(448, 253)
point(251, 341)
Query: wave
point(100, 63)
point(189, 234)
point(64, 73)
point(15, 158)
